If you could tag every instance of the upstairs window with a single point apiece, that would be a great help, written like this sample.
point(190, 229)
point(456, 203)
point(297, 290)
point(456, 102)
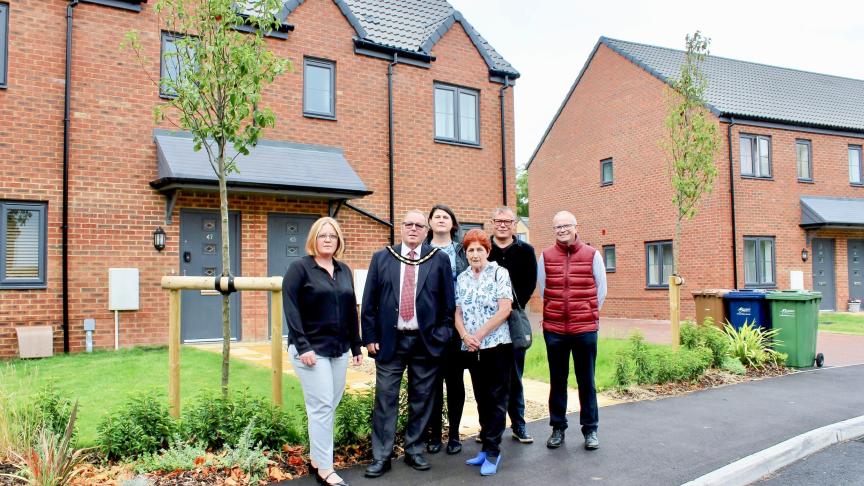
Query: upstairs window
point(171, 69)
point(4, 42)
point(755, 156)
point(803, 149)
point(22, 244)
point(457, 114)
point(606, 172)
point(319, 88)
point(609, 257)
point(855, 168)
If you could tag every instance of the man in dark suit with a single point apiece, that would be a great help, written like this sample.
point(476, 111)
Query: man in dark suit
point(407, 316)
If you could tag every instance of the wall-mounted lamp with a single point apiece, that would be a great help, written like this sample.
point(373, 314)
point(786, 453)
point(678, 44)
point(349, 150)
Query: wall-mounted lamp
point(159, 239)
point(804, 254)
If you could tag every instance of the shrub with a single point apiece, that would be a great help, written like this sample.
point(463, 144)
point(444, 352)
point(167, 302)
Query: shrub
point(247, 455)
point(21, 423)
point(643, 370)
point(216, 421)
point(640, 364)
point(625, 371)
point(706, 335)
point(733, 365)
point(753, 346)
point(141, 426)
point(353, 421)
point(181, 455)
point(52, 460)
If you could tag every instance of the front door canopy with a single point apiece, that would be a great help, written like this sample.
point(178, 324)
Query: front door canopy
point(832, 212)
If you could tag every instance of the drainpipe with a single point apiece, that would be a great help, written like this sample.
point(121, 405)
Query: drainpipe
point(390, 143)
point(732, 204)
point(66, 122)
point(503, 140)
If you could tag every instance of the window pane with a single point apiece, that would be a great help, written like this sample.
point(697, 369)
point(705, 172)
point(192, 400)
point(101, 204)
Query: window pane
point(4, 13)
point(804, 161)
point(855, 165)
point(767, 256)
point(607, 171)
point(468, 117)
point(653, 267)
point(764, 165)
point(750, 262)
point(318, 94)
point(22, 244)
point(746, 156)
point(445, 121)
point(666, 248)
point(609, 256)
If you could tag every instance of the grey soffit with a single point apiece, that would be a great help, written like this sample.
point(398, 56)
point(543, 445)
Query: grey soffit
point(817, 212)
point(271, 167)
point(758, 91)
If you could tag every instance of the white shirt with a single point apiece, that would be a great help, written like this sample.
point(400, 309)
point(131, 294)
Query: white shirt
point(401, 324)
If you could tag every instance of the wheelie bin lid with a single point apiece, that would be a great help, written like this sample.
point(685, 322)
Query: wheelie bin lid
point(747, 294)
point(793, 295)
point(710, 292)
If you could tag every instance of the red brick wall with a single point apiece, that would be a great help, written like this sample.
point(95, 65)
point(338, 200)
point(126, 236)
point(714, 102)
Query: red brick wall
point(113, 210)
point(618, 111)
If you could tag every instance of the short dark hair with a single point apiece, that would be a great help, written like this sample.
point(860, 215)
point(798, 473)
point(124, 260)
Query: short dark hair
point(443, 207)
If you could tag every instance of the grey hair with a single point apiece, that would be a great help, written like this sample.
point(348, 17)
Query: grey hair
point(503, 209)
point(564, 214)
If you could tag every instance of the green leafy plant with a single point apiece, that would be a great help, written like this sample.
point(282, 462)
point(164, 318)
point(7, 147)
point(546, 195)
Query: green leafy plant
point(353, 421)
point(734, 366)
point(52, 460)
point(21, 421)
point(753, 346)
point(640, 364)
point(706, 335)
point(181, 455)
point(625, 371)
point(142, 426)
point(247, 455)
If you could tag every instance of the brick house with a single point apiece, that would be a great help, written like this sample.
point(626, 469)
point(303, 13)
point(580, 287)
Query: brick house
point(74, 207)
point(789, 197)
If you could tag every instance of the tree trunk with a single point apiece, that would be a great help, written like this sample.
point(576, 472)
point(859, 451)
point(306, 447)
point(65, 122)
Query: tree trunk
point(226, 269)
point(674, 287)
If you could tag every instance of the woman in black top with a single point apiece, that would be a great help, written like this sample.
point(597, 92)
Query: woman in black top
point(321, 309)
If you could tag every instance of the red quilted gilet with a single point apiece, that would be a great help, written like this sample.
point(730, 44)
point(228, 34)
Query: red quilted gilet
point(570, 296)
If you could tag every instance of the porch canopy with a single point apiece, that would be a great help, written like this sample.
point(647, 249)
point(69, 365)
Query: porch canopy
point(272, 167)
point(831, 212)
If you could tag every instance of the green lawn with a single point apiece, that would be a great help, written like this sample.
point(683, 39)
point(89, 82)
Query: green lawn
point(101, 381)
point(842, 322)
point(537, 368)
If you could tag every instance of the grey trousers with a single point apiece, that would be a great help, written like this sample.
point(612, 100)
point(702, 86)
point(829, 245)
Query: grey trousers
point(323, 385)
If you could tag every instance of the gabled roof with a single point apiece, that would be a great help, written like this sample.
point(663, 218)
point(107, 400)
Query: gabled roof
point(749, 90)
point(412, 26)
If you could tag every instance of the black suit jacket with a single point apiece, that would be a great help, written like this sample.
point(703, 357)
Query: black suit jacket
point(435, 304)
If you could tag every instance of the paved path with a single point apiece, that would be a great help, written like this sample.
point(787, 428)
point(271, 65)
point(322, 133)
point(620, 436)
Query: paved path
point(668, 442)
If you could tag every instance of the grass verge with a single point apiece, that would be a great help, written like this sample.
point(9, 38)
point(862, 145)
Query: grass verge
point(842, 322)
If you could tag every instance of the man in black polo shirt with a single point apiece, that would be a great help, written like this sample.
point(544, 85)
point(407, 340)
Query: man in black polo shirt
point(519, 260)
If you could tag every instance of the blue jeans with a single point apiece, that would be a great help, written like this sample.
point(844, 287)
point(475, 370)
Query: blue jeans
point(583, 348)
point(516, 406)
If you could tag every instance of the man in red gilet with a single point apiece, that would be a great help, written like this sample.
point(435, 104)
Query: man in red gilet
point(572, 281)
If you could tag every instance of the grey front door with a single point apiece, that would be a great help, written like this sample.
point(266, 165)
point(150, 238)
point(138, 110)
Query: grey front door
point(201, 255)
point(286, 242)
point(823, 271)
point(856, 269)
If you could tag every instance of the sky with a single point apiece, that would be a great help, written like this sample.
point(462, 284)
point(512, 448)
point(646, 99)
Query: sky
point(549, 41)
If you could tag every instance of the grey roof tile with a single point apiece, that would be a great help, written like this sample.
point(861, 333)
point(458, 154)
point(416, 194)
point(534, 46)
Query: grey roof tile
point(752, 90)
point(831, 211)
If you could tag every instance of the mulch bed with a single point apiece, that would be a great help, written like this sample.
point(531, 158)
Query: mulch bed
point(6, 468)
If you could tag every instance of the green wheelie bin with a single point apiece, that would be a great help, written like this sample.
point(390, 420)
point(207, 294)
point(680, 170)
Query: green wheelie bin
point(795, 313)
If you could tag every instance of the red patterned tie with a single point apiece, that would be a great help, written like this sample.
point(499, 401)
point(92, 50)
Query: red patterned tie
point(406, 303)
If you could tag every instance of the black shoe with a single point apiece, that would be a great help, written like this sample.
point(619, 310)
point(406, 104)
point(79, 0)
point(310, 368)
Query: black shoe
point(520, 434)
point(433, 447)
point(377, 468)
point(454, 447)
point(417, 461)
point(556, 439)
point(591, 441)
point(326, 483)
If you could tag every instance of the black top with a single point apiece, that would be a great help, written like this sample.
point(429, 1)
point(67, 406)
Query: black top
point(519, 260)
point(321, 311)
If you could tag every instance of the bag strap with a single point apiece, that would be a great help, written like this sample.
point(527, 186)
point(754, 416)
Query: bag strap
point(512, 290)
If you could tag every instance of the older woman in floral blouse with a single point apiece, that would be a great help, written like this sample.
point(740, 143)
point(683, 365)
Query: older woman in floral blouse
point(483, 300)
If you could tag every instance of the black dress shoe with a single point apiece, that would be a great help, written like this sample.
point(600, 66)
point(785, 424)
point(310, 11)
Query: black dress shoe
point(556, 439)
point(433, 447)
point(377, 468)
point(417, 461)
point(454, 447)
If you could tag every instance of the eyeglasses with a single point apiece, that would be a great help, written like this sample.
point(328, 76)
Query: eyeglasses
point(327, 237)
point(502, 222)
point(409, 225)
point(563, 227)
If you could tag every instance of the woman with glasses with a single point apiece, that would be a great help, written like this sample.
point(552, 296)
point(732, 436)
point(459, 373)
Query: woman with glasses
point(444, 230)
point(321, 310)
point(483, 300)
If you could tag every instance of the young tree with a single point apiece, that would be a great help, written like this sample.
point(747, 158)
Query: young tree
point(522, 193)
point(218, 68)
point(692, 144)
